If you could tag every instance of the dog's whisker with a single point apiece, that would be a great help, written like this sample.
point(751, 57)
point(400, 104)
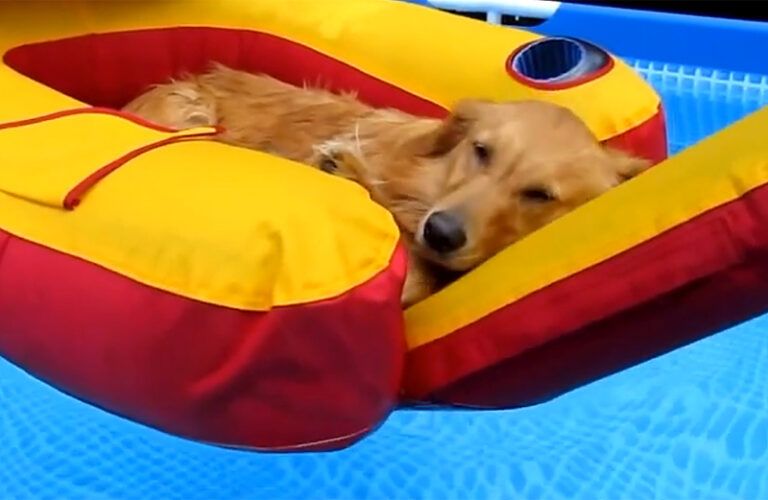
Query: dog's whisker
point(379, 182)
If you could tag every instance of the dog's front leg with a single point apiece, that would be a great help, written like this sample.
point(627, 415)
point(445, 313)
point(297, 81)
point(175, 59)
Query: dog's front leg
point(419, 282)
point(339, 158)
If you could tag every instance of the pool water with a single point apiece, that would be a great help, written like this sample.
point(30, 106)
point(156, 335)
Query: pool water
point(690, 424)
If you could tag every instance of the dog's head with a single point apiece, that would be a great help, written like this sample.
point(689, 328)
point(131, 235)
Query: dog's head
point(502, 171)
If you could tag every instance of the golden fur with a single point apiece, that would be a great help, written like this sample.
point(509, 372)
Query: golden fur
point(495, 172)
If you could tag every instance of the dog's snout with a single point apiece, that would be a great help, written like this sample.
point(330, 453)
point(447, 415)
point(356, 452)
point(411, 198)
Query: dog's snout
point(444, 232)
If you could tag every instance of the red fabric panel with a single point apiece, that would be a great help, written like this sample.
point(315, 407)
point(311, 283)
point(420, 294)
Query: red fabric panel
point(317, 376)
point(638, 334)
point(110, 69)
point(647, 140)
point(686, 283)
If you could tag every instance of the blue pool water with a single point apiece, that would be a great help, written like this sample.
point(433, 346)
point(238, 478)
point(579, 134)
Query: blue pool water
point(690, 424)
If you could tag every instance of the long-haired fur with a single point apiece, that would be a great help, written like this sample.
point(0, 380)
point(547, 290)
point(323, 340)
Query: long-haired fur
point(492, 172)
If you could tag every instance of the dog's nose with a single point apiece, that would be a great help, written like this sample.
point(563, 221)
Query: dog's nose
point(444, 232)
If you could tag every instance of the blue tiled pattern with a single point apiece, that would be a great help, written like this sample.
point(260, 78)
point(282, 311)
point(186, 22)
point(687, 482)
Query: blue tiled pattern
point(691, 424)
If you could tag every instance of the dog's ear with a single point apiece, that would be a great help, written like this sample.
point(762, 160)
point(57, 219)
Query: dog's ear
point(628, 166)
point(452, 130)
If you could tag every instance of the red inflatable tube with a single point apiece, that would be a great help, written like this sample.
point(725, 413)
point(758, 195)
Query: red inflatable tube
point(311, 377)
point(646, 301)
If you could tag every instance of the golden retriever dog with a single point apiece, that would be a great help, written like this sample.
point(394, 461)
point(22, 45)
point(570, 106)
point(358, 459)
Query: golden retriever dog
point(460, 189)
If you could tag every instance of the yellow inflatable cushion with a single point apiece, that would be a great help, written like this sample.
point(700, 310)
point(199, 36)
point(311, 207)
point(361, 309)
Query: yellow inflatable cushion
point(204, 220)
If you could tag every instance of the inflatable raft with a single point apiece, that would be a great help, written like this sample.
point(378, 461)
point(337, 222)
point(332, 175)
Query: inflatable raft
point(235, 298)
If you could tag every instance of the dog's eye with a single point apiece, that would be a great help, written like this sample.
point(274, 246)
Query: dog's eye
point(482, 152)
point(537, 194)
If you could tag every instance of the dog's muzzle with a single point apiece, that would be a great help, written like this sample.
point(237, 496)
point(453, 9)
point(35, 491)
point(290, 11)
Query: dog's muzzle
point(444, 232)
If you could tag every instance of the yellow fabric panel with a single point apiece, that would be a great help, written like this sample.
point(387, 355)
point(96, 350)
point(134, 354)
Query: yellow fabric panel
point(23, 98)
point(206, 221)
point(434, 55)
point(74, 148)
point(705, 176)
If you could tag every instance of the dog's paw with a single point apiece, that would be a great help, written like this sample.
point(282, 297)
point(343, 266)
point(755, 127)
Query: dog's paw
point(326, 156)
point(191, 108)
point(419, 282)
point(338, 157)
